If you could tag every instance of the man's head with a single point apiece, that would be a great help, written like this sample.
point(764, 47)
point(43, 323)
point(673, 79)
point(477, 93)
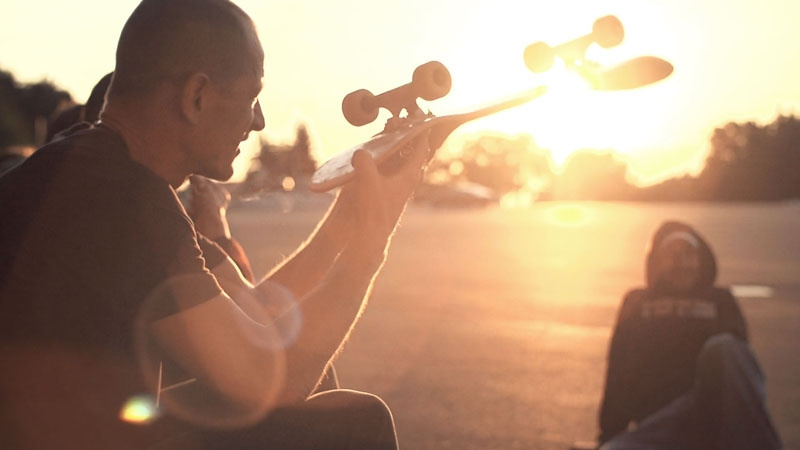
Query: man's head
point(676, 261)
point(680, 261)
point(201, 63)
point(168, 40)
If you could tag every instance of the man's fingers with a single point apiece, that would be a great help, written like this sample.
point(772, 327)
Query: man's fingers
point(207, 192)
point(366, 171)
point(407, 159)
point(417, 158)
point(407, 164)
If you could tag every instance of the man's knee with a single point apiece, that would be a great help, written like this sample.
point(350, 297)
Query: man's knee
point(721, 342)
point(355, 417)
point(724, 349)
point(725, 356)
point(361, 404)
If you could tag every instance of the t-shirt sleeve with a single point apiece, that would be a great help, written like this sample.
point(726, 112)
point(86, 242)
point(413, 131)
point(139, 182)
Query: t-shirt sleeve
point(169, 258)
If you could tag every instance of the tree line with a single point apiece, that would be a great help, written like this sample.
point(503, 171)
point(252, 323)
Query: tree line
point(26, 108)
point(746, 161)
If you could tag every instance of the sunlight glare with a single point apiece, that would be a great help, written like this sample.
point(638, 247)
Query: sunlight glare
point(518, 199)
point(569, 215)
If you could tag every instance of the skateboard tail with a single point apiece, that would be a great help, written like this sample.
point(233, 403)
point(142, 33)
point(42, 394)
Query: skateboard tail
point(441, 132)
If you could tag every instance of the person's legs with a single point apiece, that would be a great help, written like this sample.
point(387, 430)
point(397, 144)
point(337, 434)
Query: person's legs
point(725, 408)
point(665, 429)
point(730, 392)
point(339, 419)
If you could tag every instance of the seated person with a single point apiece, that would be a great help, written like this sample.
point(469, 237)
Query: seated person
point(89, 112)
point(208, 202)
point(102, 278)
point(680, 372)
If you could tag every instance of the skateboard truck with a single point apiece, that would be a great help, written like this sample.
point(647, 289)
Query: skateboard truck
point(430, 81)
point(606, 32)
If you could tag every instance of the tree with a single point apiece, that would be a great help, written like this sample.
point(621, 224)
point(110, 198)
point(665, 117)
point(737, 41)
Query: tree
point(593, 175)
point(302, 165)
point(501, 163)
point(752, 162)
point(282, 167)
point(26, 109)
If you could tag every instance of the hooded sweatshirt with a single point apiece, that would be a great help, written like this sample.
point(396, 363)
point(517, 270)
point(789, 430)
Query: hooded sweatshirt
point(658, 336)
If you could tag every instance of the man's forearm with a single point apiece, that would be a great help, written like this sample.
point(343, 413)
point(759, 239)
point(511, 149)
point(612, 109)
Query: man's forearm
point(327, 316)
point(307, 266)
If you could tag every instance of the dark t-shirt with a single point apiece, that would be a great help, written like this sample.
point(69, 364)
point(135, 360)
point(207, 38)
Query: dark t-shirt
point(92, 243)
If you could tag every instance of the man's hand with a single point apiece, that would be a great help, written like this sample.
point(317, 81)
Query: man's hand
point(368, 209)
point(208, 207)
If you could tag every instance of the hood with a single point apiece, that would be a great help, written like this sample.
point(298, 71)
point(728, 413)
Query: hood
point(708, 262)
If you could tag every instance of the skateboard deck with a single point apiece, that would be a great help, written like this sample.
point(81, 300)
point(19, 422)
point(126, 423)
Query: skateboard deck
point(387, 144)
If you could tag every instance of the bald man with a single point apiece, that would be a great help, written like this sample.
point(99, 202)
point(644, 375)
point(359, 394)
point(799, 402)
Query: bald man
point(107, 299)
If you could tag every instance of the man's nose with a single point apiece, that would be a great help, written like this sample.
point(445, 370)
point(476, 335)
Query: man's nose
point(258, 118)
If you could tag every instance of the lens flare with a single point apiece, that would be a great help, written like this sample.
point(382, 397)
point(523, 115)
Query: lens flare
point(570, 215)
point(139, 410)
point(288, 184)
point(285, 310)
point(173, 371)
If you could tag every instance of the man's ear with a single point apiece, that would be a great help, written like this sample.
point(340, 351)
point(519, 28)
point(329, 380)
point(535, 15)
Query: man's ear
point(195, 97)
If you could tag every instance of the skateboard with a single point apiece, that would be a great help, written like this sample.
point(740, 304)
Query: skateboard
point(432, 80)
point(386, 148)
point(606, 32)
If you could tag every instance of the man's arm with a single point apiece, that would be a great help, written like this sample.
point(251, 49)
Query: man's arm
point(208, 206)
point(257, 325)
point(304, 269)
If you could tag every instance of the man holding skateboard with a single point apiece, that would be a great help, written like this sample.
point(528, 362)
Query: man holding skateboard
point(105, 293)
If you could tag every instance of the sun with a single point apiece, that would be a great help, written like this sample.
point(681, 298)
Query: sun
point(572, 116)
point(557, 120)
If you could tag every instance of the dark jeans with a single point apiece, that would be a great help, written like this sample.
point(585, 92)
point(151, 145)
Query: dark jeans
point(725, 409)
point(337, 419)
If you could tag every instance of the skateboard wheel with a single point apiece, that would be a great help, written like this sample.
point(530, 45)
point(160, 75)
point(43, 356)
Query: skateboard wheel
point(607, 31)
point(431, 80)
point(539, 57)
point(359, 107)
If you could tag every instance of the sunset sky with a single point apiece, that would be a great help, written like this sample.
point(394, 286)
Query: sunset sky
point(734, 60)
